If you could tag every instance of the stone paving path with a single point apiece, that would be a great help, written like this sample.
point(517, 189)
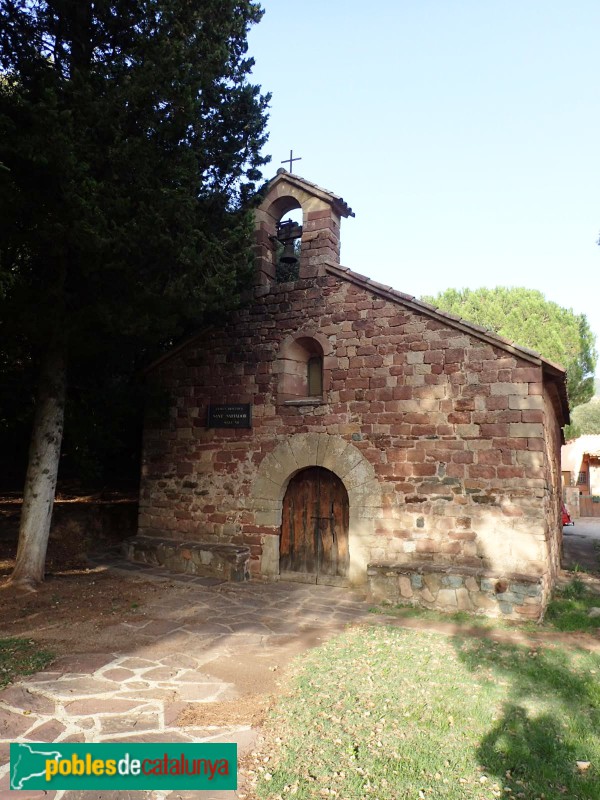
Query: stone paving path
point(235, 630)
point(214, 650)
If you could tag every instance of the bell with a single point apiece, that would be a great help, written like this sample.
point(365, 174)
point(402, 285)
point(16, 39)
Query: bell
point(288, 256)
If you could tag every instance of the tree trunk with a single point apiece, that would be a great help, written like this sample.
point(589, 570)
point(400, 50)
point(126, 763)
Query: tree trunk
point(42, 468)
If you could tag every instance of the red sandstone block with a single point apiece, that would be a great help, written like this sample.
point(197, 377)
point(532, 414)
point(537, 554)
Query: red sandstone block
point(402, 429)
point(511, 472)
point(455, 470)
point(536, 388)
point(423, 430)
point(452, 369)
point(481, 471)
point(415, 418)
point(484, 418)
point(525, 375)
point(459, 418)
point(496, 403)
point(399, 319)
point(536, 445)
point(492, 457)
point(480, 353)
point(377, 383)
point(455, 355)
point(464, 404)
point(509, 444)
point(494, 430)
point(489, 375)
point(324, 213)
point(423, 470)
point(532, 416)
point(508, 416)
point(462, 457)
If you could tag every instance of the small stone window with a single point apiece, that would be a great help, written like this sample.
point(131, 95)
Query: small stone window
point(315, 376)
point(300, 369)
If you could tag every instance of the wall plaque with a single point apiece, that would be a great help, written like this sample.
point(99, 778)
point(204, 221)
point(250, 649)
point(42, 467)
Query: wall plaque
point(229, 415)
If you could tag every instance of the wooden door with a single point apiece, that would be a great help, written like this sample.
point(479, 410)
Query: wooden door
point(314, 530)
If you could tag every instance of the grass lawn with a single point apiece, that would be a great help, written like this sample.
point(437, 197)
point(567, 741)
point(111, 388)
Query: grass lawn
point(569, 608)
point(20, 657)
point(381, 712)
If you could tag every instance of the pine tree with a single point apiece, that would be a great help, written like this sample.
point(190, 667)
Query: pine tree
point(132, 140)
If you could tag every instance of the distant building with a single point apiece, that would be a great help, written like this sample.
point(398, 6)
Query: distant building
point(580, 459)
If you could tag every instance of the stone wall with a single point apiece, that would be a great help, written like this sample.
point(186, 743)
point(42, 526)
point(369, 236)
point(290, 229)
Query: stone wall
point(437, 587)
point(223, 561)
point(552, 499)
point(448, 431)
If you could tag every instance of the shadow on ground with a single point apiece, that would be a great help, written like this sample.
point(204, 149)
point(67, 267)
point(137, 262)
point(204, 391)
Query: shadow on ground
point(546, 741)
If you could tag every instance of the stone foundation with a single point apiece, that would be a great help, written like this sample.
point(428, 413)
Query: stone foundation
point(206, 559)
point(458, 589)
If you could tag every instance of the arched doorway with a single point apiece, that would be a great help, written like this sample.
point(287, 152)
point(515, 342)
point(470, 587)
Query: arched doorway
point(314, 528)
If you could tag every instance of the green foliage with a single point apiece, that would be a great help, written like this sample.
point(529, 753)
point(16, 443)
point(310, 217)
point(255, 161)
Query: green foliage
point(132, 139)
point(586, 418)
point(525, 317)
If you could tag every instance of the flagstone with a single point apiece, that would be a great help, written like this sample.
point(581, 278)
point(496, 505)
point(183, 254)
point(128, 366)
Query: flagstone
point(84, 663)
point(136, 663)
point(81, 685)
point(47, 732)
point(118, 674)
point(26, 699)
point(161, 674)
point(173, 711)
point(13, 724)
point(100, 705)
point(129, 722)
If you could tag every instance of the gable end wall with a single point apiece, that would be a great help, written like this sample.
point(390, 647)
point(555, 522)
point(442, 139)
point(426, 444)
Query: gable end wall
point(459, 434)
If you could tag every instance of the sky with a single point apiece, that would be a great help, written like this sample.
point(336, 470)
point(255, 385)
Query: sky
point(464, 134)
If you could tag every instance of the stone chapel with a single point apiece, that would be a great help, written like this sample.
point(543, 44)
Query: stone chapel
point(335, 430)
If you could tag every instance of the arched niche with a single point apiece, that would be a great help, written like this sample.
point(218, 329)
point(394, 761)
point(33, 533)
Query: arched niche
point(302, 366)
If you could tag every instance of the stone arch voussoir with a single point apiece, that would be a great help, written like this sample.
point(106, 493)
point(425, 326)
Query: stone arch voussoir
point(340, 457)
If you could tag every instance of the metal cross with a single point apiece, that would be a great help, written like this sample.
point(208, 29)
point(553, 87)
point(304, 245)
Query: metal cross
point(291, 159)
